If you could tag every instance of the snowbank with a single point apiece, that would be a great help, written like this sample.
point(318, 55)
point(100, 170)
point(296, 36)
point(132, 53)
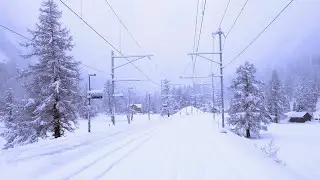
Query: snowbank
point(35, 160)
point(298, 144)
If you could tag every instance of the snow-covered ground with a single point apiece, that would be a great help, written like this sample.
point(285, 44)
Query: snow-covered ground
point(180, 147)
point(34, 160)
point(299, 146)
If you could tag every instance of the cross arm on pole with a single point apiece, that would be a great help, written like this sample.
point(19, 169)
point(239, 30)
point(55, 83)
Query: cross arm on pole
point(209, 59)
point(128, 63)
point(134, 56)
point(198, 77)
point(205, 53)
point(129, 80)
point(201, 55)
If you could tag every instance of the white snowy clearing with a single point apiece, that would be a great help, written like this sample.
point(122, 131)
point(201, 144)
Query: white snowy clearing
point(298, 144)
point(182, 147)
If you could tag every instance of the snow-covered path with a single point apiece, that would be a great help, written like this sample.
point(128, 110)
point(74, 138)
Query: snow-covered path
point(179, 148)
point(192, 148)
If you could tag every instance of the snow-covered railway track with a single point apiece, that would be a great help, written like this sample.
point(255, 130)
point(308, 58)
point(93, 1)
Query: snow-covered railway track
point(50, 149)
point(125, 152)
point(96, 164)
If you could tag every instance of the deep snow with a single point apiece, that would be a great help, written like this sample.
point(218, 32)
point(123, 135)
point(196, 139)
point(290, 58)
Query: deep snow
point(185, 146)
point(298, 144)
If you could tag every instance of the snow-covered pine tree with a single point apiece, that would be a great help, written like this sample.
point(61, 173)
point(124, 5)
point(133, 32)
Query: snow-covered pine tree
point(276, 99)
point(9, 109)
point(167, 100)
point(107, 97)
point(247, 107)
point(9, 118)
point(294, 108)
point(145, 104)
point(174, 100)
point(53, 81)
point(18, 129)
point(306, 95)
point(3, 78)
point(289, 84)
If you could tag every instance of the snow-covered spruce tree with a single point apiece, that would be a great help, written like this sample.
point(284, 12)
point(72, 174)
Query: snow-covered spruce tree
point(145, 103)
point(167, 100)
point(9, 108)
point(82, 104)
point(289, 84)
point(9, 118)
point(53, 81)
point(247, 107)
point(306, 95)
point(18, 129)
point(294, 108)
point(107, 97)
point(276, 99)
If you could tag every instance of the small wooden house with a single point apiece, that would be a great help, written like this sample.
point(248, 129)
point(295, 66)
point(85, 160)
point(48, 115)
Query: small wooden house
point(136, 108)
point(299, 117)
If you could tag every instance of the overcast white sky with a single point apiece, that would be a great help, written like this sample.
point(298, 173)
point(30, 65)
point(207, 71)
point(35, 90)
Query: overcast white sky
point(165, 29)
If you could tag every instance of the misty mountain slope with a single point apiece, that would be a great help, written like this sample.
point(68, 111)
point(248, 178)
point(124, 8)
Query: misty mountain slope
point(11, 51)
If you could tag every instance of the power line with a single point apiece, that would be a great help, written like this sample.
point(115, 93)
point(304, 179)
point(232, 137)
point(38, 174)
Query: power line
point(186, 67)
point(126, 28)
point(235, 21)
point(254, 39)
point(15, 32)
point(225, 11)
point(109, 43)
point(200, 32)
point(201, 25)
point(195, 35)
point(95, 68)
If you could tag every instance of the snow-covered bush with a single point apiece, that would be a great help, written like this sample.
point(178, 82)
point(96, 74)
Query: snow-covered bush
point(271, 150)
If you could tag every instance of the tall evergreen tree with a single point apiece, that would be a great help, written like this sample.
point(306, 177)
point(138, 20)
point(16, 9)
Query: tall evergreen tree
point(9, 118)
point(277, 101)
point(53, 81)
point(18, 129)
point(247, 107)
point(306, 95)
point(168, 102)
point(294, 108)
point(289, 84)
point(107, 97)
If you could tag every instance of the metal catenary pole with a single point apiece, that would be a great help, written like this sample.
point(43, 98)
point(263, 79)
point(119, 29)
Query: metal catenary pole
point(112, 90)
point(89, 108)
point(129, 105)
point(221, 74)
point(149, 99)
point(113, 68)
point(202, 55)
point(89, 104)
point(213, 100)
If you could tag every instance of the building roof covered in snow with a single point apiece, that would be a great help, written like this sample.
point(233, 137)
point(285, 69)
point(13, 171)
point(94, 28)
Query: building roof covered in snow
point(294, 114)
point(137, 105)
